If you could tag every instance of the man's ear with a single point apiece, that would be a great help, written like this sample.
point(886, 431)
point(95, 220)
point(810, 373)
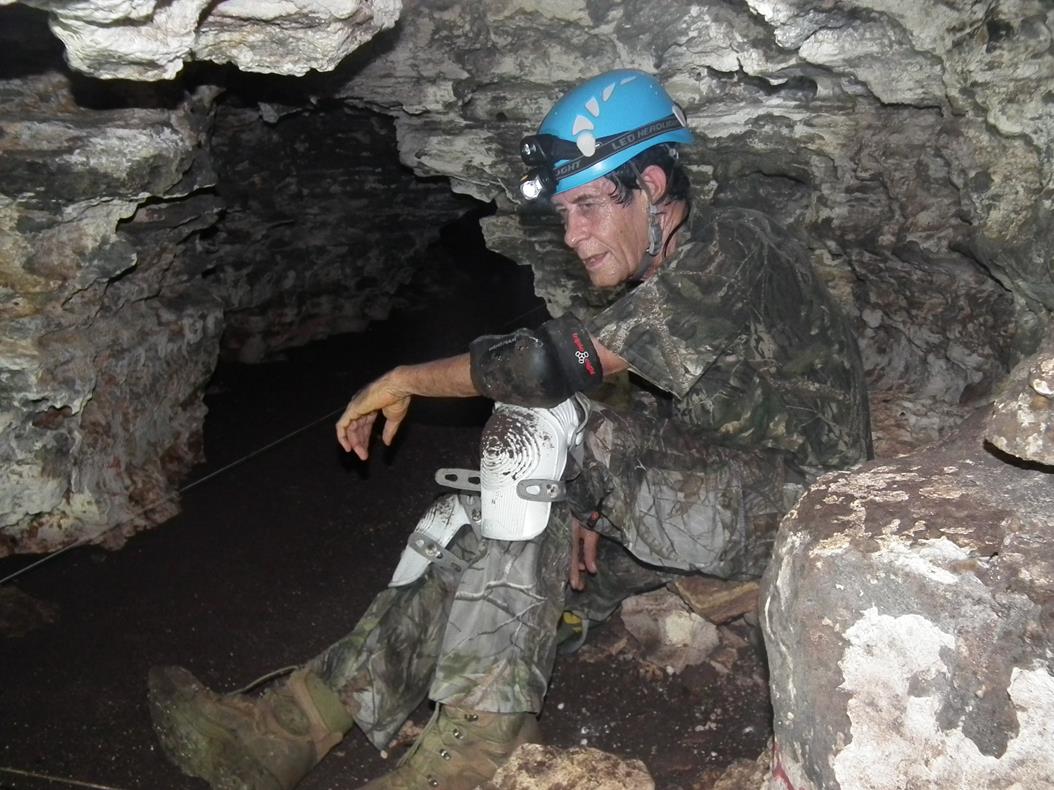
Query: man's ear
point(654, 178)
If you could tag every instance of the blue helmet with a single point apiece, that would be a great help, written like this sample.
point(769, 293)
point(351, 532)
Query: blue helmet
point(598, 126)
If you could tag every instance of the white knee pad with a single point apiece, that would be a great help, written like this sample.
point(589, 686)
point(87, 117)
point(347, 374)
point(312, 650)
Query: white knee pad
point(433, 533)
point(523, 455)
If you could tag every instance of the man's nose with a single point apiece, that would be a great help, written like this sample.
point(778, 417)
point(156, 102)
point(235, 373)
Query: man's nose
point(574, 230)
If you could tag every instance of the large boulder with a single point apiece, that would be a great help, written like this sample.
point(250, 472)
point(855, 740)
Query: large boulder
point(909, 618)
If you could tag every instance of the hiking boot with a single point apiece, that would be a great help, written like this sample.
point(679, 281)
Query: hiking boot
point(237, 742)
point(571, 633)
point(459, 750)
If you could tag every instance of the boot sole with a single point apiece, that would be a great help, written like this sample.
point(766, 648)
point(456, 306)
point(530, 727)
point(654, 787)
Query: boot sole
point(198, 746)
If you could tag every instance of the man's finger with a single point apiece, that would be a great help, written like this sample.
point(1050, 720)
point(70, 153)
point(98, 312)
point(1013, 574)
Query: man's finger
point(345, 426)
point(391, 427)
point(344, 436)
point(359, 435)
point(590, 541)
point(573, 571)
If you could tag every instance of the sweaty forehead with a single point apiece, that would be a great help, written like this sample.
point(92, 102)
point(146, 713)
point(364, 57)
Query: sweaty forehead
point(600, 188)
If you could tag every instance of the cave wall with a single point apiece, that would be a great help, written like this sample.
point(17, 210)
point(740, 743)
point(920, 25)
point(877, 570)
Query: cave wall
point(322, 224)
point(911, 145)
point(107, 340)
point(154, 39)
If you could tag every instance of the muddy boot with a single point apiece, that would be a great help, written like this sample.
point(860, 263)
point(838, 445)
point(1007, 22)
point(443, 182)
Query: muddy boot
point(237, 742)
point(459, 749)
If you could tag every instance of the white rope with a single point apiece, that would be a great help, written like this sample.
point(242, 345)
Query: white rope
point(60, 779)
point(163, 500)
point(151, 506)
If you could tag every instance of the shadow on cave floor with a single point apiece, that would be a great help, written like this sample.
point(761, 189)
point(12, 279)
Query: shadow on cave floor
point(271, 561)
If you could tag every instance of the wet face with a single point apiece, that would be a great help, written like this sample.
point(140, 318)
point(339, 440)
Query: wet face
point(609, 239)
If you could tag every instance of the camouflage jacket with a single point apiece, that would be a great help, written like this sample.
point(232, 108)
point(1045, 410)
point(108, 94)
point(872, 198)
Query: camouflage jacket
point(739, 330)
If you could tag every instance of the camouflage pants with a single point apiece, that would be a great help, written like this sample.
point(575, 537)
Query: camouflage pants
point(485, 638)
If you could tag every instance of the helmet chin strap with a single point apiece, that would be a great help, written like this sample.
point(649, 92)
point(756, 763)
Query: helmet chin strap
point(654, 228)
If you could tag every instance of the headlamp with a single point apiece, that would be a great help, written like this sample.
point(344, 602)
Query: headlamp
point(537, 150)
point(536, 184)
point(531, 151)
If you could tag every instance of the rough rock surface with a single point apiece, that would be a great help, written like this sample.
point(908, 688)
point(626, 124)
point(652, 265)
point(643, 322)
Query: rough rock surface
point(907, 614)
point(746, 774)
point(322, 224)
point(717, 600)
point(151, 40)
point(106, 342)
point(672, 635)
point(537, 767)
point(1022, 419)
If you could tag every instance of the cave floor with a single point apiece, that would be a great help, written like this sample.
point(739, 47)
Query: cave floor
point(275, 558)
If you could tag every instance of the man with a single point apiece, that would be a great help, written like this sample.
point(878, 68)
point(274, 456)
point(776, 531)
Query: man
point(749, 385)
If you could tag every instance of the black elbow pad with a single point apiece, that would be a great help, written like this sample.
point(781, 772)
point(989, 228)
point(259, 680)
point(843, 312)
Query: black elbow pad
point(541, 368)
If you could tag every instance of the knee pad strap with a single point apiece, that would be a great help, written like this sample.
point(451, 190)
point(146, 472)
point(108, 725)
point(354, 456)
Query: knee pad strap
point(433, 533)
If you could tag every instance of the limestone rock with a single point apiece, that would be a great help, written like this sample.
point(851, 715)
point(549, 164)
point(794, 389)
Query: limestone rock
point(150, 40)
point(717, 600)
point(746, 774)
point(902, 422)
point(106, 341)
point(672, 636)
point(537, 767)
point(1022, 419)
point(907, 615)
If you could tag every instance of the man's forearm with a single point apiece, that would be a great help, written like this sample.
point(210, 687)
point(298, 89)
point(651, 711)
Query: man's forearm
point(451, 377)
point(441, 378)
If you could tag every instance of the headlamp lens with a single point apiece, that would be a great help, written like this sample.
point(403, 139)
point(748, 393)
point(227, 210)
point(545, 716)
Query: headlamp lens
point(531, 186)
point(537, 184)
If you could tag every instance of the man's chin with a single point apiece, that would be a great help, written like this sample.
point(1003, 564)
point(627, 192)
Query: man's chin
point(602, 280)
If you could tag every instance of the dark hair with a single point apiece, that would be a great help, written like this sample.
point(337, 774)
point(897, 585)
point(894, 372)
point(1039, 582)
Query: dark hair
point(678, 186)
point(664, 155)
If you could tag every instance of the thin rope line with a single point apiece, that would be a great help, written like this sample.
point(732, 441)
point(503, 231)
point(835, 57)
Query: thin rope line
point(524, 314)
point(49, 778)
point(90, 538)
point(170, 497)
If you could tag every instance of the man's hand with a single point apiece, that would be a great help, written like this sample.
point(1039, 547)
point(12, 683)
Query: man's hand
point(390, 395)
point(583, 554)
point(383, 396)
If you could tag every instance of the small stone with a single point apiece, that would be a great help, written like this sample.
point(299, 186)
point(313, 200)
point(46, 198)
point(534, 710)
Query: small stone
point(537, 767)
point(717, 600)
point(670, 635)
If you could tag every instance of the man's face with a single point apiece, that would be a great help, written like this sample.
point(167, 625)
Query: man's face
point(609, 239)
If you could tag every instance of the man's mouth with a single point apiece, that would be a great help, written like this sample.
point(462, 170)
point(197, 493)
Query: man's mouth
point(593, 261)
